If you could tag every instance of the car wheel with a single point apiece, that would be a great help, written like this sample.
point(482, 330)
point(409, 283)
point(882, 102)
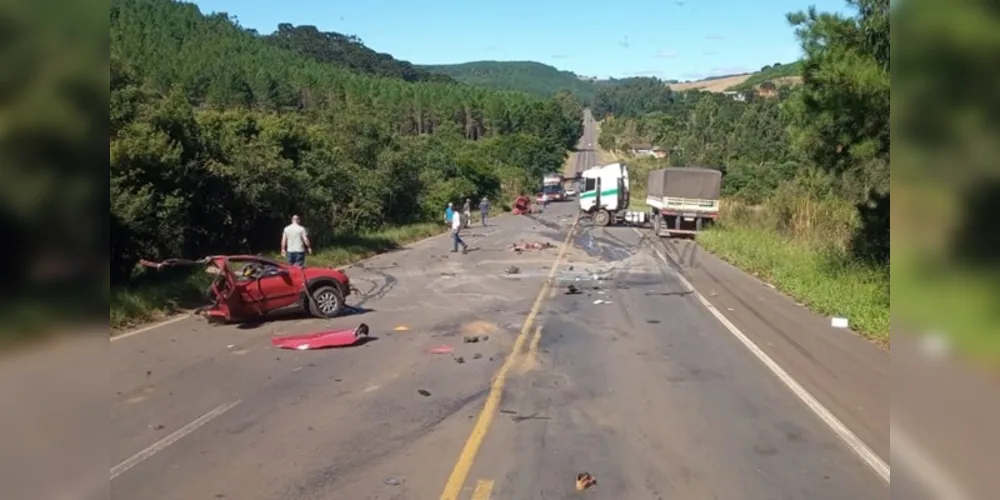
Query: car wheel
point(326, 301)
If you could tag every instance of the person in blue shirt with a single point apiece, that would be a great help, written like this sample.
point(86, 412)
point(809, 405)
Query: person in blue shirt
point(449, 213)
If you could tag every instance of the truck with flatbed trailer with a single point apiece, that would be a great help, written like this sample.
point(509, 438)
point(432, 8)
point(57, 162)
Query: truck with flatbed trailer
point(683, 200)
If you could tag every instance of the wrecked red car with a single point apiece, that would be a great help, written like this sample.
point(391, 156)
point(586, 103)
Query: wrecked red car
point(250, 286)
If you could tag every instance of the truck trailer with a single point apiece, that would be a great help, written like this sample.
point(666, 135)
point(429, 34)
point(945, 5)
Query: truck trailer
point(683, 200)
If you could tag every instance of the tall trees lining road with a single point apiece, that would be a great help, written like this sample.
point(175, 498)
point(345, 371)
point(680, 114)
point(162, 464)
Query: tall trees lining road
point(218, 134)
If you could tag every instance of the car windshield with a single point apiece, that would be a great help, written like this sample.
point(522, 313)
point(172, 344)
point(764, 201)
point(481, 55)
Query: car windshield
point(551, 189)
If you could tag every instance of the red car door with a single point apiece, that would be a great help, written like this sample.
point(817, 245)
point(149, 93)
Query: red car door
point(278, 289)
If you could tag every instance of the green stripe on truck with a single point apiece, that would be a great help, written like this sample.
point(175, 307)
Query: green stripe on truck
point(593, 194)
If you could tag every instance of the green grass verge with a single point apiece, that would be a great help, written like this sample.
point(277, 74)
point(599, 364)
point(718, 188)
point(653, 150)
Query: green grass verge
point(963, 305)
point(819, 277)
point(156, 295)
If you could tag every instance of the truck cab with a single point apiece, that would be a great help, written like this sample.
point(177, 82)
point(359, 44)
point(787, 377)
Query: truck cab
point(604, 192)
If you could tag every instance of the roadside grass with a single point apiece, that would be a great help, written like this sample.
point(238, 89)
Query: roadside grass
point(155, 295)
point(801, 250)
point(935, 292)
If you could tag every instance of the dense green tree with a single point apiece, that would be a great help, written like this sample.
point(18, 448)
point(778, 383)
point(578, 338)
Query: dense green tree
point(524, 76)
point(842, 114)
point(632, 97)
point(218, 134)
point(347, 51)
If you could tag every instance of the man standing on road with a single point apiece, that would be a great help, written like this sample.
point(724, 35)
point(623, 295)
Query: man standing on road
point(484, 209)
point(295, 243)
point(467, 212)
point(456, 227)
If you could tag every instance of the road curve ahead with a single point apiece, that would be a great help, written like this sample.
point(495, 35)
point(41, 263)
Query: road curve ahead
point(631, 379)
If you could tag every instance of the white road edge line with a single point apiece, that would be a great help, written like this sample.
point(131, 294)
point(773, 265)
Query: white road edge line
point(854, 442)
point(170, 439)
point(149, 327)
point(932, 475)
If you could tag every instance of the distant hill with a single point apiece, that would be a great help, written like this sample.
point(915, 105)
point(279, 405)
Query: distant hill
point(525, 76)
point(778, 74)
point(347, 51)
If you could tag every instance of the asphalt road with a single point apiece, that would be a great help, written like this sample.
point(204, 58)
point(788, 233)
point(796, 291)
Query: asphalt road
point(650, 393)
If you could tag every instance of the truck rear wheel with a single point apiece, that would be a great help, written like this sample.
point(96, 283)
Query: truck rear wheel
point(602, 218)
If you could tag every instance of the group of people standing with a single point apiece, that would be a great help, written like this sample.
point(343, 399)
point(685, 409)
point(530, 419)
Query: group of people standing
point(458, 221)
point(295, 238)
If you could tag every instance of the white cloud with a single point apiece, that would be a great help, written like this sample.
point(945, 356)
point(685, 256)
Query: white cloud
point(665, 54)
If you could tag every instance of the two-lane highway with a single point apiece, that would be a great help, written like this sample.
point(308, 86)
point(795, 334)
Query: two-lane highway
point(632, 379)
point(648, 392)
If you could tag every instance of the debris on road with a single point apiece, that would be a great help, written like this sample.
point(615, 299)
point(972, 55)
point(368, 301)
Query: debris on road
point(512, 270)
point(477, 356)
point(601, 301)
point(321, 340)
point(401, 328)
point(534, 245)
point(443, 349)
point(156, 427)
point(585, 480)
point(459, 359)
point(424, 392)
point(838, 322)
point(394, 481)
point(572, 290)
point(472, 339)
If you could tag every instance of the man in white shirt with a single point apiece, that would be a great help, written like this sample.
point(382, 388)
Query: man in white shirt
point(456, 227)
point(295, 243)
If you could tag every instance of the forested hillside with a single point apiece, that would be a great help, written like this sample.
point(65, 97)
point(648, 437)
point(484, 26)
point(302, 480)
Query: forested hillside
point(219, 134)
point(347, 51)
point(524, 76)
point(806, 172)
point(632, 97)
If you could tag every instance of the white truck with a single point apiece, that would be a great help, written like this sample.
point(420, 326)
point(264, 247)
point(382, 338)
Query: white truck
point(605, 194)
point(683, 200)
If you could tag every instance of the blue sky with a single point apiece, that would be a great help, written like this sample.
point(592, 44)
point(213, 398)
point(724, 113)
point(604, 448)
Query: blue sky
point(687, 39)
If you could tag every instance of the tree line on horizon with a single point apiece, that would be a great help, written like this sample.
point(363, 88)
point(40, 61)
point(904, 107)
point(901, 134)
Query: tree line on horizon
point(218, 134)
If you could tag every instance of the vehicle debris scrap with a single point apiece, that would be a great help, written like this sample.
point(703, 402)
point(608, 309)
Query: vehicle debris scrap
point(443, 349)
point(322, 340)
point(532, 245)
point(585, 480)
point(472, 339)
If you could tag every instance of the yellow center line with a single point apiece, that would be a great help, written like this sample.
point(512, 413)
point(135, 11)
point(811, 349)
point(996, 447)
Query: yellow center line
point(453, 488)
point(531, 357)
point(483, 489)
